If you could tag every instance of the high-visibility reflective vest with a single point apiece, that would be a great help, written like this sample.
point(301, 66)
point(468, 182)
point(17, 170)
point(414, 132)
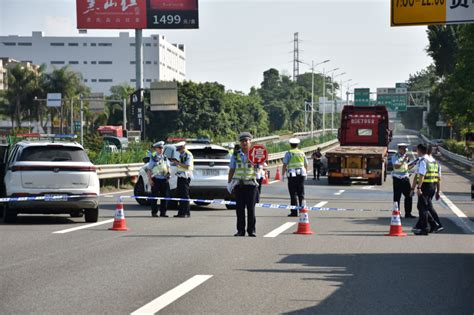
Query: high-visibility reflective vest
point(244, 171)
point(297, 158)
point(183, 158)
point(161, 167)
point(403, 170)
point(432, 172)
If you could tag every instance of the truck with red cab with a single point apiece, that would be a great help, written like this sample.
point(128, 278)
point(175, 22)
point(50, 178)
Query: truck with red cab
point(364, 136)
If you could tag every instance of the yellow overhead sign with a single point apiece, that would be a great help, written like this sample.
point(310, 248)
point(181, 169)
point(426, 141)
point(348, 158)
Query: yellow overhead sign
point(423, 12)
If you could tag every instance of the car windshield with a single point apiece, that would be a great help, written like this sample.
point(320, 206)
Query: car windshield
point(210, 153)
point(53, 154)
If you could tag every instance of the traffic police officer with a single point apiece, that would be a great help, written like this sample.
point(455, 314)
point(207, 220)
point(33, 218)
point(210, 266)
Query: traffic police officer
point(185, 166)
point(243, 182)
point(401, 179)
point(426, 184)
point(295, 165)
point(158, 170)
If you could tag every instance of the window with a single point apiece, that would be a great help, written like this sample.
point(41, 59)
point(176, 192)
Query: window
point(94, 80)
point(93, 44)
point(148, 45)
point(85, 62)
point(73, 44)
point(56, 44)
point(105, 44)
point(105, 62)
point(85, 44)
point(133, 80)
point(132, 62)
point(94, 62)
point(155, 62)
point(52, 153)
point(148, 62)
point(9, 44)
point(24, 44)
point(132, 44)
point(364, 132)
point(85, 80)
point(57, 62)
point(105, 80)
point(148, 80)
point(73, 62)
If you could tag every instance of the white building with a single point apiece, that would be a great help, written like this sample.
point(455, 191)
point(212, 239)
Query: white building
point(102, 61)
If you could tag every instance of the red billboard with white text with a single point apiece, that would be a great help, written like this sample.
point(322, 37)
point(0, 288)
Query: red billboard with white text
point(137, 14)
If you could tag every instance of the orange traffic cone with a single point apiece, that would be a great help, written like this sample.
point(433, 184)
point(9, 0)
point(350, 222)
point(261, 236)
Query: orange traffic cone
point(278, 175)
point(396, 224)
point(303, 223)
point(119, 218)
point(265, 178)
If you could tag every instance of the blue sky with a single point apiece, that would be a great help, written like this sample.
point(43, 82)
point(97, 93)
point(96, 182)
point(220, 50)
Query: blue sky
point(238, 40)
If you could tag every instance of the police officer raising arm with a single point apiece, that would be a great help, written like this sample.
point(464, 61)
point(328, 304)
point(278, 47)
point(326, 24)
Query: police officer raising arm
point(401, 179)
point(295, 166)
point(185, 166)
point(242, 181)
point(158, 170)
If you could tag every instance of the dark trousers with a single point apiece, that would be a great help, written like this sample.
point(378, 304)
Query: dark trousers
point(425, 207)
point(246, 197)
point(160, 188)
point(402, 187)
point(296, 189)
point(316, 169)
point(183, 192)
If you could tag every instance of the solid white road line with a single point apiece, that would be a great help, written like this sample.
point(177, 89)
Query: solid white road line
point(280, 229)
point(339, 192)
point(466, 223)
point(273, 182)
point(169, 297)
point(83, 227)
point(320, 204)
point(368, 187)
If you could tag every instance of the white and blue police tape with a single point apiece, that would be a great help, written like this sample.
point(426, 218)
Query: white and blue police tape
point(48, 198)
point(258, 205)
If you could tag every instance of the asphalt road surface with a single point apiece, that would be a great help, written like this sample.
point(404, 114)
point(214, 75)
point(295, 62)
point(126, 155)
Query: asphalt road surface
point(196, 266)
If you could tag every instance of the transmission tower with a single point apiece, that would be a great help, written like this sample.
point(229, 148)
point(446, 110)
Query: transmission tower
point(296, 57)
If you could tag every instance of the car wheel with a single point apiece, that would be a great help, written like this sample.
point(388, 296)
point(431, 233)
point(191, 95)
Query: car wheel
point(91, 215)
point(76, 214)
point(199, 203)
point(139, 190)
point(9, 215)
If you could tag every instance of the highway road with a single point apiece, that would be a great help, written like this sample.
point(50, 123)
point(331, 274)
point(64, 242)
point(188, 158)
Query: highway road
point(196, 266)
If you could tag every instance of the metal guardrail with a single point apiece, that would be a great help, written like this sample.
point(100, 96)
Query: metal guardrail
point(129, 170)
point(450, 155)
point(308, 133)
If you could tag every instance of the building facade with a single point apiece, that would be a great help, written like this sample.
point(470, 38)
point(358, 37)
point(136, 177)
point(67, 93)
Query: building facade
point(102, 61)
point(8, 63)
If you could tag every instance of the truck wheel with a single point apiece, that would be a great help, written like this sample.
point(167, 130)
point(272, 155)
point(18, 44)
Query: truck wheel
point(331, 181)
point(91, 215)
point(139, 190)
point(378, 181)
point(9, 215)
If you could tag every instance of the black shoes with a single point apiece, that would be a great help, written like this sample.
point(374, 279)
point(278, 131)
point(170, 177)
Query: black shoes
point(239, 234)
point(164, 216)
point(252, 235)
point(293, 215)
point(182, 216)
point(409, 216)
point(420, 232)
point(154, 215)
point(439, 228)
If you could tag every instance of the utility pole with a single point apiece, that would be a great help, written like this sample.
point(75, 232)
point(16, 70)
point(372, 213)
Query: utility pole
point(324, 99)
point(312, 99)
point(124, 119)
point(139, 75)
point(82, 121)
point(296, 56)
point(72, 117)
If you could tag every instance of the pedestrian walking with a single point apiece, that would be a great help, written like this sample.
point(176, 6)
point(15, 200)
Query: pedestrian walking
point(401, 179)
point(317, 163)
point(242, 180)
point(185, 166)
point(158, 170)
point(295, 166)
point(427, 185)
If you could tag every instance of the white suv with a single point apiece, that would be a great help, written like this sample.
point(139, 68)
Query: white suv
point(48, 168)
point(211, 168)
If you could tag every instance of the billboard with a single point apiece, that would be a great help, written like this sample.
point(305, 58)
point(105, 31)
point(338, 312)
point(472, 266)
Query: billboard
point(137, 14)
point(96, 102)
point(164, 96)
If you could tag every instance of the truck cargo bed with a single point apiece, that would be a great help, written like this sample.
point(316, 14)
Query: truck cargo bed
point(349, 150)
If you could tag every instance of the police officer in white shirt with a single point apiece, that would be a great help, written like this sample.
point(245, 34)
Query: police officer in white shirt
point(401, 179)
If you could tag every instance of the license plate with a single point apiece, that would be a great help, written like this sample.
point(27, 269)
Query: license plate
point(55, 197)
point(210, 172)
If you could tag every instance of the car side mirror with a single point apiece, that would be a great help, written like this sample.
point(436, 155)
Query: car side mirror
point(146, 159)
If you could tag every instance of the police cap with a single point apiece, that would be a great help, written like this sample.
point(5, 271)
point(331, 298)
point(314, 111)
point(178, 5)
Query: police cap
point(294, 141)
point(180, 144)
point(245, 136)
point(159, 144)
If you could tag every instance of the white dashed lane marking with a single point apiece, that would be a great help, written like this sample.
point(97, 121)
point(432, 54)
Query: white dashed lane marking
point(280, 229)
point(339, 192)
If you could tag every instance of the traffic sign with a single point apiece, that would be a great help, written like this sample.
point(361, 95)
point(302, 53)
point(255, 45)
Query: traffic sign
point(426, 12)
point(395, 99)
point(362, 97)
point(53, 100)
point(258, 154)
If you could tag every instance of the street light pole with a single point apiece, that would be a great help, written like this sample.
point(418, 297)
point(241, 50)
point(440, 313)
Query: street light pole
point(124, 120)
point(82, 121)
point(312, 99)
point(324, 97)
point(334, 101)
